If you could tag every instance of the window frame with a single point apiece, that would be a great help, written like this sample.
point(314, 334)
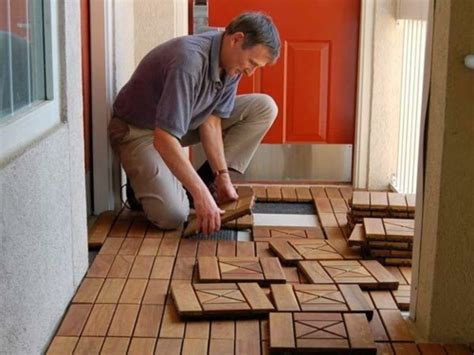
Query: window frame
point(28, 125)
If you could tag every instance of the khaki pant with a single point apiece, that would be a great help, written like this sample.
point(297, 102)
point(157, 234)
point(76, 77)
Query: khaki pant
point(161, 194)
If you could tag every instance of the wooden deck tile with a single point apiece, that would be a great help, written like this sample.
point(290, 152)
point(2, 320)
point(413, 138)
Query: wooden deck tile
point(384, 349)
point(120, 228)
point(374, 229)
point(431, 349)
point(411, 202)
point(219, 300)
point(360, 200)
point(260, 192)
point(141, 268)
point(111, 246)
point(101, 228)
point(346, 192)
point(235, 269)
point(274, 193)
point(383, 300)
point(111, 291)
point(399, 229)
point(169, 346)
point(207, 248)
point(124, 320)
point(334, 332)
point(171, 325)
point(323, 205)
point(183, 269)
point(247, 337)
point(156, 292)
point(168, 247)
point(318, 192)
point(139, 227)
point(292, 251)
point(121, 266)
point(101, 266)
point(153, 232)
point(221, 346)
point(88, 291)
point(378, 201)
point(62, 345)
point(99, 320)
point(149, 247)
point(397, 202)
point(234, 210)
point(402, 297)
point(149, 321)
point(187, 248)
point(226, 248)
point(368, 274)
point(339, 205)
point(333, 192)
point(303, 194)
point(115, 345)
point(162, 268)
point(284, 298)
point(194, 346)
point(328, 219)
point(75, 319)
point(357, 237)
point(397, 328)
point(286, 233)
point(406, 272)
point(288, 194)
point(133, 291)
point(141, 346)
point(89, 345)
point(245, 249)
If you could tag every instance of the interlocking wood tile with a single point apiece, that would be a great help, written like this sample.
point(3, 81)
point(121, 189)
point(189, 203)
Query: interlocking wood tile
point(62, 345)
point(247, 340)
point(149, 247)
point(378, 201)
point(162, 268)
point(399, 229)
point(397, 328)
point(226, 248)
point(168, 346)
point(111, 246)
point(115, 345)
point(318, 192)
point(156, 292)
point(260, 192)
point(99, 320)
point(221, 346)
point(286, 233)
point(292, 251)
point(274, 193)
point(101, 266)
point(232, 210)
point(133, 291)
point(168, 247)
point(207, 248)
point(360, 200)
point(339, 205)
point(124, 320)
point(303, 194)
point(149, 321)
point(284, 298)
point(74, 320)
point(194, 346)
point(120, 227)
point(383, 300)
point(111, 291)
point(211, 300)
point(171, 324)
point(357, 237)
point(101, 228)
point(121, 266)
point(333, 192)
point(153, 232)
point(138, 227)
point(402, 297)
point(411, 202)
point(141, 346)
point(328, 219)
point(235, 269)
point(374, 229)
point(323, 205)
point(315, 332)
point(141, 268)
point(89, 345)
point(384, 349)
point(244, 249)
point(368, 274)
point(88, 291)
point(289, 194)
point(397, 202)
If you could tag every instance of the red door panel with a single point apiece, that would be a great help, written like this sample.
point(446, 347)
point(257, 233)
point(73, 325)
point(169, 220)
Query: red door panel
point(314, 81)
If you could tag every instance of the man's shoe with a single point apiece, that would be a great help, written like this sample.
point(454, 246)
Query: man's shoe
point(132, 201)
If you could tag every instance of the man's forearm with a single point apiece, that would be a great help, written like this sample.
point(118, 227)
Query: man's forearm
point(173, 154)
point(211, 139)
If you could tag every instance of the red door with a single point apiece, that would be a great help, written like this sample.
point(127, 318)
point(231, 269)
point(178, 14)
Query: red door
point(314, 81)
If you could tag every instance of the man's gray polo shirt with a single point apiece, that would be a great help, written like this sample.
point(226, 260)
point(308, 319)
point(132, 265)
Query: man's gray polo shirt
point(177, 86)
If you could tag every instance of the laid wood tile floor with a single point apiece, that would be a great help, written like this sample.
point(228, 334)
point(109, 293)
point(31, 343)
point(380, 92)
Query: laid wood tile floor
point(124, 305)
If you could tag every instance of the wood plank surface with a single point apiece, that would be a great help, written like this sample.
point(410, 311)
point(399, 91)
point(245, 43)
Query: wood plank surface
point(282, 331)
point(360, 200)
point(255, 297)
point(88, 291)
point(74, 320)
point(185, 299)
point(124, 320)
point(208, 268)
point(357, 237)
point(360, 335)
point(397, 328)
point(284, 298)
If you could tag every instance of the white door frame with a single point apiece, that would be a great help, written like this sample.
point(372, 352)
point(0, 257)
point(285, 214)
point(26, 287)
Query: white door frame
point(101, 26)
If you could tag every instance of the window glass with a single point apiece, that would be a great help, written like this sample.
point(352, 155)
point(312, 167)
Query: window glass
point(22, 56)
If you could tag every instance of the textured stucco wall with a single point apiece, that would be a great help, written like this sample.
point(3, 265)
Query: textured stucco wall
point(387, 68)
point(43, 231)
point(445, 301)
point(154, 24)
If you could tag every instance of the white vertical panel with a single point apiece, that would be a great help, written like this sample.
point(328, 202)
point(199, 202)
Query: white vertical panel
point(410, 104)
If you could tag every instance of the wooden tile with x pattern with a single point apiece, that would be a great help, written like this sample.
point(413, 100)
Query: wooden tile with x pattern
point(241, 268)
point(218, 296)
point(341, 272)
point(320, 329)
point(310, 296)
point(317, 249)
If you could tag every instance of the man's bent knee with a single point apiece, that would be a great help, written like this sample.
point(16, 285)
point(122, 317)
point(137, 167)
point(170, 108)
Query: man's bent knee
point(267, 107)
point(166, 217)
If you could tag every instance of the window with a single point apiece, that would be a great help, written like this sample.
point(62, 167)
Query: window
point(29, 86)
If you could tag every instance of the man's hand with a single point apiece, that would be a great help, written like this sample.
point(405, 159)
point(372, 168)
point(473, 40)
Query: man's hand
point(208, 214)
point(224, 189)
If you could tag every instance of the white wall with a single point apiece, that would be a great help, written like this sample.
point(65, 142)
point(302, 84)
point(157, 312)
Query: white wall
point(43, 234)
point(385, 107)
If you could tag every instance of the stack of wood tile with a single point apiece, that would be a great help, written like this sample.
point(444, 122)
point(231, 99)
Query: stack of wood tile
point(388, 240)
point(380, 204)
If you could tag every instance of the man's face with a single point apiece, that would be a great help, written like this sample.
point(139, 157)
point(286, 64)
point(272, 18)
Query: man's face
point(245, 61)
